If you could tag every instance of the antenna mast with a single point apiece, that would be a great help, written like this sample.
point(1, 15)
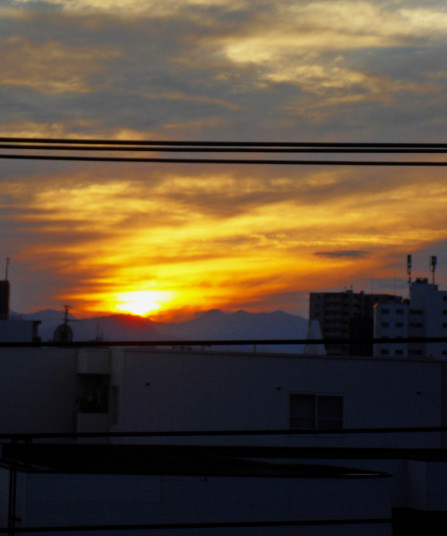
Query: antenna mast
point(7, 269)
point(433, 262)
point(409, 263)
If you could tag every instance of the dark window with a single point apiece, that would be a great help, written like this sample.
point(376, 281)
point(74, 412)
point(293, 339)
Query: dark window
point(93, 393)
point(399, 324)
point(415, 324)
point(384, 352)
point(385, 325)
point(399, 311)
point(316, 412)
point(399, 352)
point(385, 311)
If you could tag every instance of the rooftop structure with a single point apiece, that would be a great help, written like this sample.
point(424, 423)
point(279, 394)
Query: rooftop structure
point(347, 315)
point(423, 315)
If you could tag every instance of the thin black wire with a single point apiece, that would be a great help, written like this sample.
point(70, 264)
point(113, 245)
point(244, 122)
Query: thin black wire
point(225, 161)
point(228, 433)
point(59, 144)
point(206, 149)
point(208, 525)
point(86, 141)
point(228, 342)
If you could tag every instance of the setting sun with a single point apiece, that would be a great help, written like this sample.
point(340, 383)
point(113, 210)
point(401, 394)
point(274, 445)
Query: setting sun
point(141, 302)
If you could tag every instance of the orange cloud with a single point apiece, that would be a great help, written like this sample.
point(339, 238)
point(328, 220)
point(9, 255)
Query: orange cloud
point(219, 238)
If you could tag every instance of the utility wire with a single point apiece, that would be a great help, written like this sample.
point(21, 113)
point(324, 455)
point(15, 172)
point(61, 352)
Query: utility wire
point(86, 141)
point(43, 529)
point(88, 145)
point(235, 149)
point(228, 433)
point(227, 342)
point(228, 161)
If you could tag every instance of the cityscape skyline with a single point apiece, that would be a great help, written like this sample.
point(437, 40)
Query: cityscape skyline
point(193, 238)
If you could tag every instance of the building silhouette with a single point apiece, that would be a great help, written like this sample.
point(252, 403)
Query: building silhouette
point(347, 315)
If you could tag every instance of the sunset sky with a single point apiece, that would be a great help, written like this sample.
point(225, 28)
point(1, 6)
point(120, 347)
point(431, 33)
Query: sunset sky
point(186, 238)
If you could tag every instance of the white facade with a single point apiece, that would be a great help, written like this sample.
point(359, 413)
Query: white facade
point(55, 390)
point(127, 390)
point(163, 390)
point(423, 315)
point(391, 321)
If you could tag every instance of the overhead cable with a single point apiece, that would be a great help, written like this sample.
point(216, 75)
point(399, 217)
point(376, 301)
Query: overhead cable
point(21, 144)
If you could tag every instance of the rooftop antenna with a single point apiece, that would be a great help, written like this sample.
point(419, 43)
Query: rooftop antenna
point(7, 269)
point(66, 307)
point(409, 263)
point(433, 262)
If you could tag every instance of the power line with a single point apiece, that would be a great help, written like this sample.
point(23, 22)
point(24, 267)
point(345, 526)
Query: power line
point(98, 141)
point(226, 433)
point(218, 149)
point(393, 163)
point(227, 342)
point(197, 526)
point(88, 145)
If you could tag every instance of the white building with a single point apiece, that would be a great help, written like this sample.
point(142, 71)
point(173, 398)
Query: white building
point(137, 389)
point(423, 315)
point(296, 410)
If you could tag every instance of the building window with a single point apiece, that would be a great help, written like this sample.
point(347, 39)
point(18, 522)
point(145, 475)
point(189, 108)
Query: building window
point(316, 412)
point(384, 352)
point(384, 324)
point(399, 324)
point(399, 311)
point(399, 352)
point(415, 324)
point(385, 311)
point(93, 394)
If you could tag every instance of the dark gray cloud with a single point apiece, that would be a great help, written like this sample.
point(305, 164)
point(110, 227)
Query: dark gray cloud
point(346, 253)
point(220, 70)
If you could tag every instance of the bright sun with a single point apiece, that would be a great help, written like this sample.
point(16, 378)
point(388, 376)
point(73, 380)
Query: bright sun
point(141, 302)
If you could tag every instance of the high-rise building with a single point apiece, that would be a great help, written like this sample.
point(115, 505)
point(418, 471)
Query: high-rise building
point(4, 300)
point(347, 315)
point(423, 315)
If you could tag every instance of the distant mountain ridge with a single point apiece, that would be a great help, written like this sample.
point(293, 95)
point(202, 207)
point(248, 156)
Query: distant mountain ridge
point(211, 325)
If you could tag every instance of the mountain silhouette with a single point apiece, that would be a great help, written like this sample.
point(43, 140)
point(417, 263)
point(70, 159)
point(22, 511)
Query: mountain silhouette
point(211, 325)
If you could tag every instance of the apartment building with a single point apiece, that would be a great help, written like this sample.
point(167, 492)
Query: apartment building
point(347, 315)
point(424, 314)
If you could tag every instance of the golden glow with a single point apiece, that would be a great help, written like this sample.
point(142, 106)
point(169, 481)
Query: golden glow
point(174, 239)
point(140, 302)
point(181, 243)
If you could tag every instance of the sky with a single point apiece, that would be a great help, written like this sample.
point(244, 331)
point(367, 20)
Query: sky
point(172, 240)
